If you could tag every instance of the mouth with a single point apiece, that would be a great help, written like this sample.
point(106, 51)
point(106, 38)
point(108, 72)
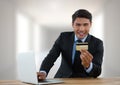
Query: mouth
point(81, 33)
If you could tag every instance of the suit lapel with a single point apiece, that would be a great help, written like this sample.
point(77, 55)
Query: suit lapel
point(88, 38)
point(71, 42)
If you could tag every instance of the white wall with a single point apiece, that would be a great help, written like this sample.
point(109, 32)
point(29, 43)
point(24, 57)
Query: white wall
point(7, 40)
point(112, 39)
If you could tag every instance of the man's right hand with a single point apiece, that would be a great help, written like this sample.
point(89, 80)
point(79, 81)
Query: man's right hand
point(41, 75)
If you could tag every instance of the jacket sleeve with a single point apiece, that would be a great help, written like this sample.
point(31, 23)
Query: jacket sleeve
point(97, 60)
point(53, 54)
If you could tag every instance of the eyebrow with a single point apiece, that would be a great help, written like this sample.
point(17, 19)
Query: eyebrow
point(81, 24)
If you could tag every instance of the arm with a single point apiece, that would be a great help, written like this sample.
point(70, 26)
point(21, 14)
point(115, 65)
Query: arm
point(94, 60)
point(97, 60)
point(49, 60)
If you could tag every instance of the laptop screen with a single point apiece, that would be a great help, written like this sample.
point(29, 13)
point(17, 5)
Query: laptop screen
point(26, 67)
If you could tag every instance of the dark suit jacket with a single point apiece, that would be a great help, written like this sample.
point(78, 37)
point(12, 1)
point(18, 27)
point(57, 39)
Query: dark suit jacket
point(64, 45)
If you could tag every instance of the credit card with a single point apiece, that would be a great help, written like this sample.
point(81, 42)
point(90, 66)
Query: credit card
point(80, 46)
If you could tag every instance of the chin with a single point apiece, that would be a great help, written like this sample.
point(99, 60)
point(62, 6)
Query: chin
point(81, 37)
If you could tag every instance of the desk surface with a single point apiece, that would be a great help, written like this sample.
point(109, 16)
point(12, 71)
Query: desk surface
point(73, 81)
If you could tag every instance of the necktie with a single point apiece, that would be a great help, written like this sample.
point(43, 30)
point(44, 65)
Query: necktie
point(77, 53)
point(79, 41)
point(77, 67)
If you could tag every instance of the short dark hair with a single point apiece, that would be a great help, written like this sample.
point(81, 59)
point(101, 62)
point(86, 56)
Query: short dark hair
point(82, 13)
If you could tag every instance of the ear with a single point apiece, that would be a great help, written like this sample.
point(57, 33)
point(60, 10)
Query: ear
point(90, 24)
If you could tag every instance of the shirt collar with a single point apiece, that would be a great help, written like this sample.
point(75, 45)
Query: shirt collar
point(83, 39)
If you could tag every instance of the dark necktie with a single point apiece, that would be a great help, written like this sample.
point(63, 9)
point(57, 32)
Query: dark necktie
point(77, 67)
point(77, 53)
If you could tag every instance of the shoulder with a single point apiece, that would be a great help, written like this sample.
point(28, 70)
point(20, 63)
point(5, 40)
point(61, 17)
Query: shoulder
point(66, 36)
point(67, 33)
point(95, 44)
point(95, 39)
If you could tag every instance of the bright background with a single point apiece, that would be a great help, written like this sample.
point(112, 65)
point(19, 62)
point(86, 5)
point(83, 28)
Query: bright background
point(34, 25)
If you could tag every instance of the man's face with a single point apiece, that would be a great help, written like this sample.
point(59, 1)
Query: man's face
point(81, 27)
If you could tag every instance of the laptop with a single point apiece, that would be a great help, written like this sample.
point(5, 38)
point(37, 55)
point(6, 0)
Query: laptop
point(27, 70)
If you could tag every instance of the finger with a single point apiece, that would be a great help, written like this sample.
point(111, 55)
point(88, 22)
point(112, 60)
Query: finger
point(84, 63)
point(40, 78)
point(87, 54)
point(81, 50)
point(84, 59)
point(41, 75)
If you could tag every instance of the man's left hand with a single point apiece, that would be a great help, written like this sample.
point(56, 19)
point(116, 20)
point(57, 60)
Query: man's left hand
point(86, 58)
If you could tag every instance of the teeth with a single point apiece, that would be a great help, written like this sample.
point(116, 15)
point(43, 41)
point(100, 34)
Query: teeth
point(81, 33)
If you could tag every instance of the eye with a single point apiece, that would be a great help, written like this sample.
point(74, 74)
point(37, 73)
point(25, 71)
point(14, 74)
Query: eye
point(85, 24)
point(77, 24)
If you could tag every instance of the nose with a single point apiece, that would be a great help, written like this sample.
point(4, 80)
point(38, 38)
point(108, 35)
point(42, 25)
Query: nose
point(81, 28)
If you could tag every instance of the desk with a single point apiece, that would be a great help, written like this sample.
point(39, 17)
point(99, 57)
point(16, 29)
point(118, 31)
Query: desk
point(73, 81)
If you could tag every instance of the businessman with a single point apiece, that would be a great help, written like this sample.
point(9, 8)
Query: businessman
point(75, 63)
